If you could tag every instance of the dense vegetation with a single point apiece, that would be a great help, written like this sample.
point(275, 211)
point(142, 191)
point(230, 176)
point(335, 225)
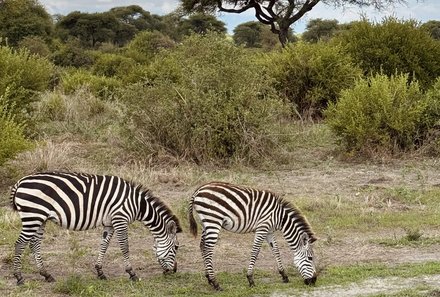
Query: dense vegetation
point(177, 86)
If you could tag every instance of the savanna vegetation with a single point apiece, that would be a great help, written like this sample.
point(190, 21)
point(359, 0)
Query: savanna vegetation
point(344, 120)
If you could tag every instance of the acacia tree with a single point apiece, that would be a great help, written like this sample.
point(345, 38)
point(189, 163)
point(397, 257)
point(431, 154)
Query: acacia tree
point(279, 14)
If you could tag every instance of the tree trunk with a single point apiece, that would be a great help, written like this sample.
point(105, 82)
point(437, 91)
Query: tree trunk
point(283, 34)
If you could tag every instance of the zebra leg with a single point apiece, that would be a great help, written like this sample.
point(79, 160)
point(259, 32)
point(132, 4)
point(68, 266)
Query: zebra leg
point(207, 243)
point(270, 238)
point(260, 235)
point(121, 228)
point(35, 245)
point(106, 237)
point(25, 236)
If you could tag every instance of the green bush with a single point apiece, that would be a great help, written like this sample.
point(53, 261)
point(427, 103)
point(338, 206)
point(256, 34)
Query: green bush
point(80, 114)
point(206, 101)
point(113, 65)
point(12, 139)
point(101, 86)
point(25, 75)
point(71, 54)
point(382, 115)
point(393, 46)
point(145, 45)
point(311, 75)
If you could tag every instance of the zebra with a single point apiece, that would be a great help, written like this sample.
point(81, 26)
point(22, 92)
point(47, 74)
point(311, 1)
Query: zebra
point(242, 210)
point(80, 201)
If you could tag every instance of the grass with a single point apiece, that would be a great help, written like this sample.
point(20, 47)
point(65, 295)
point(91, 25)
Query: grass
point(234, 284)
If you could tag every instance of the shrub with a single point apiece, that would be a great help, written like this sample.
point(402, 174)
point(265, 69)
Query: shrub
point(71, 54)
point(113, 65)
point(100, 86)
point(381, 115)
point(80, 114)
point(12, 139)
point(146, 44)
point(311, 75)
point(24, 75)
point(392, 46)
point(35, 45)
point(206, 101)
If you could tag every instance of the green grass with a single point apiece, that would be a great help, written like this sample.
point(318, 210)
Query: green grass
point(234, 284)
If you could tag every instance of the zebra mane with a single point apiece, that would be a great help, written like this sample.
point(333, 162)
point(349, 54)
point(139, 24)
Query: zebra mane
point(158, 204)
point(292, 209)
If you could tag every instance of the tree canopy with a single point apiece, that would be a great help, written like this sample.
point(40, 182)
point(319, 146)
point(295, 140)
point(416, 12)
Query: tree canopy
point(22, 18)
point(319, 29)
point(279, 14)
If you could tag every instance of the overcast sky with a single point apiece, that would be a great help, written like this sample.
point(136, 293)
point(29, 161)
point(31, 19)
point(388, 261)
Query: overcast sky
point(422, 10)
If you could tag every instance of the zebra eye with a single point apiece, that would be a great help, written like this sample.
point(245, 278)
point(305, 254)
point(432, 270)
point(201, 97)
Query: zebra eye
point(310, 258)
point(176, 247)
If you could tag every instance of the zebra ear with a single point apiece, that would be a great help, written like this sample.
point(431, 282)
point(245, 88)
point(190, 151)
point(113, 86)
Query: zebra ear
point(171, 227)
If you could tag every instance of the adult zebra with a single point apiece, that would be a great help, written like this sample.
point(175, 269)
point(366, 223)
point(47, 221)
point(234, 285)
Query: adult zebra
point(79, 201)
point(242, 210)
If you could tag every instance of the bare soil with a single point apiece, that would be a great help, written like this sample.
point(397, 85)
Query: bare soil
point(326, 180)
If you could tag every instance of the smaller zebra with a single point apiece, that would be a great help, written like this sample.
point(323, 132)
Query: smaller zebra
point(242, 210)
point(79, 201)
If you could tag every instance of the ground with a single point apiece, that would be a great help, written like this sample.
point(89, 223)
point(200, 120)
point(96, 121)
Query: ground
point(320, 189)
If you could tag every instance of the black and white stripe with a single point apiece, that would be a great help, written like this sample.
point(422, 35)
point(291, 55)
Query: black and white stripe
point(241, 210)
point(78, 201)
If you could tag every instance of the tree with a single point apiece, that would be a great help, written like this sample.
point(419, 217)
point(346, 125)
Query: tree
point(279, 14)
point(433, 28)
point(319, 29)
point(201, 23)
point(248, 34)
point(21, 18)
point(257, 35)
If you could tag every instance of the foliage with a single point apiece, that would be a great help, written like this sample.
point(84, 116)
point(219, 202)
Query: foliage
point(392, 46)
point(433, 28)
point(319, 29)
point(35, 45)
point(146, 44)
point(80, 114)
point(311, 75)
point(12, 139)
point(257, 35)
point(206, 101)
point(200, 23)
point(100, 86)
point(21, 18)
point(248, 34)
point(71, 53)
point(382, 115)
point(24, 75)
point(113, 65)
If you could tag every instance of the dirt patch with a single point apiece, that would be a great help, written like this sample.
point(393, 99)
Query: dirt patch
point(372, 286)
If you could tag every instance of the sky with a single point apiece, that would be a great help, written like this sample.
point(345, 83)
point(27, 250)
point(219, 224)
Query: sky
point(421, 10)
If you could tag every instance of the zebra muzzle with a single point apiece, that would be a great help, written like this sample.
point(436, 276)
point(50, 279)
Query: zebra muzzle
point(310, 281)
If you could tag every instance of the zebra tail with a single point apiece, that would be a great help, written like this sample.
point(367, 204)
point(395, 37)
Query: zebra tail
point(192, 221)
point(13, 192)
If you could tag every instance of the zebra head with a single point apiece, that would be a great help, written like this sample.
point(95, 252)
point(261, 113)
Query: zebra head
point(166, 247)
point(304, 258)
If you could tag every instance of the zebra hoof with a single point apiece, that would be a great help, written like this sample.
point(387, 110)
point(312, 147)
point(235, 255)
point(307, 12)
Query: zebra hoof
point(134, 278)
point(20, 282)
point(250, 280)
point(102, 276)
point(49, 279)
point(285, 279)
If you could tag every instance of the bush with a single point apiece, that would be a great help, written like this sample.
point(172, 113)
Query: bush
point(311, 75)
point(35, 45)
point(206, 101)
point(24, 75)
point(80, 114)
point(100, 86)
point(392, 46)
point(12, 139)
point(382, 115)
point(145, 45)
point(71, 54)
